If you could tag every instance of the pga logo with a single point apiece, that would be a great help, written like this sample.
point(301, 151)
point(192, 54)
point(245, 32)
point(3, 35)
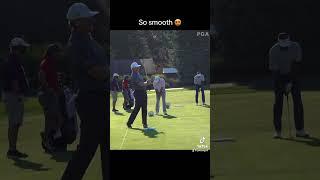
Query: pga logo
point(203, 34)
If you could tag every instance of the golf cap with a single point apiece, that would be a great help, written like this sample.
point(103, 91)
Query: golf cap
point(283, 36)
point(80, 10)
point(134, 65)
point(115, 75)
point(18, 42)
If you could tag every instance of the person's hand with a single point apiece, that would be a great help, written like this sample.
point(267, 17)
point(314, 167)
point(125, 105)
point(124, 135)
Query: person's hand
point(288, 88)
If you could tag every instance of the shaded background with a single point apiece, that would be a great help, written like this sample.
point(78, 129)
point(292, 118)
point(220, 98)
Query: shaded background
point(244, 31)
point(185, 50)
point(42, 22)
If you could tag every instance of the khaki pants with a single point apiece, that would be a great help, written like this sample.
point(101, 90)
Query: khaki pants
point(14, 104)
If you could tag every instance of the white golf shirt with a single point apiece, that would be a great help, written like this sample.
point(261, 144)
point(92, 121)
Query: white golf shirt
point(198, 79)
point(160, 84)
point(282, 60)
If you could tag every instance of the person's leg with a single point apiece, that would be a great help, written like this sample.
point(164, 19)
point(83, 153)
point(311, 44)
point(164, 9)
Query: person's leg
point(298, 106)
point(15, 108)
point(203, 95)
point(90, 137)
point(13, 137)
point(144, 110)
point(164, 106)
point(114, 100)
point(138, 105)
point(197, 93)
point(157, 102)
point(105, 141)
point(278, 105)
point(125, 99)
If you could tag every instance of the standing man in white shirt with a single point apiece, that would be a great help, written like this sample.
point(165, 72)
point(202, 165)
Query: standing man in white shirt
point(284, 63)
point(159, 86)
point(199, 84)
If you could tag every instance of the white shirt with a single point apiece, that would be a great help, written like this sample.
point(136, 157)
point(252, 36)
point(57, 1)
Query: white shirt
point(160, 84)
point(198, 79)
point(282, 60)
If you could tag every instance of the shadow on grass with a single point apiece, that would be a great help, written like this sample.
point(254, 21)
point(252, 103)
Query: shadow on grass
point(151, 133)
point(168, 116)
point(118, 113)
point(311, 141)
point(63, 156)
point(25, 164)
point(206, 106)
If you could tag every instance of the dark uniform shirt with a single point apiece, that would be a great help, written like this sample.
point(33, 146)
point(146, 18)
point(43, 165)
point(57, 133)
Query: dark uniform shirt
point(84, 52)
point(137, 82)
point(14, 71)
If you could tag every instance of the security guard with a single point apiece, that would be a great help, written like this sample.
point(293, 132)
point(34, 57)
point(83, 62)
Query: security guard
point(89, 72)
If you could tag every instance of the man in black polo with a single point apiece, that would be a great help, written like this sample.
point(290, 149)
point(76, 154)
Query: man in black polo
point(15, 87)
point(140, 94)
point(89, 73)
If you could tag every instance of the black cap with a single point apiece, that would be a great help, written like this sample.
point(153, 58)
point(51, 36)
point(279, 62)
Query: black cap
point(283, 36)
point(53, 48)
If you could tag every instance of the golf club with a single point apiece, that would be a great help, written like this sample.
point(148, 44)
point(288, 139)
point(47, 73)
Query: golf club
point(288, 116)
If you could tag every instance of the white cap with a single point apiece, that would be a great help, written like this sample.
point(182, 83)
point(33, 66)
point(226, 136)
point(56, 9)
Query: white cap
point(18, 42)
point(80, 10)
point(134, 65)
point(115, 74)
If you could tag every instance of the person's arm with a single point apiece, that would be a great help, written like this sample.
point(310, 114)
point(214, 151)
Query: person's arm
point(95, 67)
point(296, 64)
point(272, 64)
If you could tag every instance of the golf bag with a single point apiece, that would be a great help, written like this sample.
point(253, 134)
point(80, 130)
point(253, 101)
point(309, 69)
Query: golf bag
point(128, 96)
point(69, 128)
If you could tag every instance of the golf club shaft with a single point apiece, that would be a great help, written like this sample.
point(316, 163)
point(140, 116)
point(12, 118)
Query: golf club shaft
point(288, 116)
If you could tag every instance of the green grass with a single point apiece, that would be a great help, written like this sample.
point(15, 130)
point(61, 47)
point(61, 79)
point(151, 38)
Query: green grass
point(182, 130)
point(247, 117)
point(38, 165)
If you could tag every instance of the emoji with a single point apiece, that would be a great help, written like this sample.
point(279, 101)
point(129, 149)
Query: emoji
point(177, 22)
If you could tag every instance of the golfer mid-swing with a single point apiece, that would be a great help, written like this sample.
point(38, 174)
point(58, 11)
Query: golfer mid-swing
point(140, 94)
point(284, 60)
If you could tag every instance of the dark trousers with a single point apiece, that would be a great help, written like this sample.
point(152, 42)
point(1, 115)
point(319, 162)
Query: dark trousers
point(93, 114)
point(198, 87)
point(141, 101)
point(280, 83)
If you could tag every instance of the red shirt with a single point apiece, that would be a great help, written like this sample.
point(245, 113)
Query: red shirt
point(49, 68)
point(125, 84)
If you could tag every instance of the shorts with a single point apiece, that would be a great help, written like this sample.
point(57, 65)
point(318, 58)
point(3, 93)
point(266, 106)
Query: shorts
point(14, 105)
point(114, 95)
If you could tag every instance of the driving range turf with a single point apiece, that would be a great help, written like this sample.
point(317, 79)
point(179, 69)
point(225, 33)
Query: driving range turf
point(246, 115)
point(39, 165)
point(182, 129)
